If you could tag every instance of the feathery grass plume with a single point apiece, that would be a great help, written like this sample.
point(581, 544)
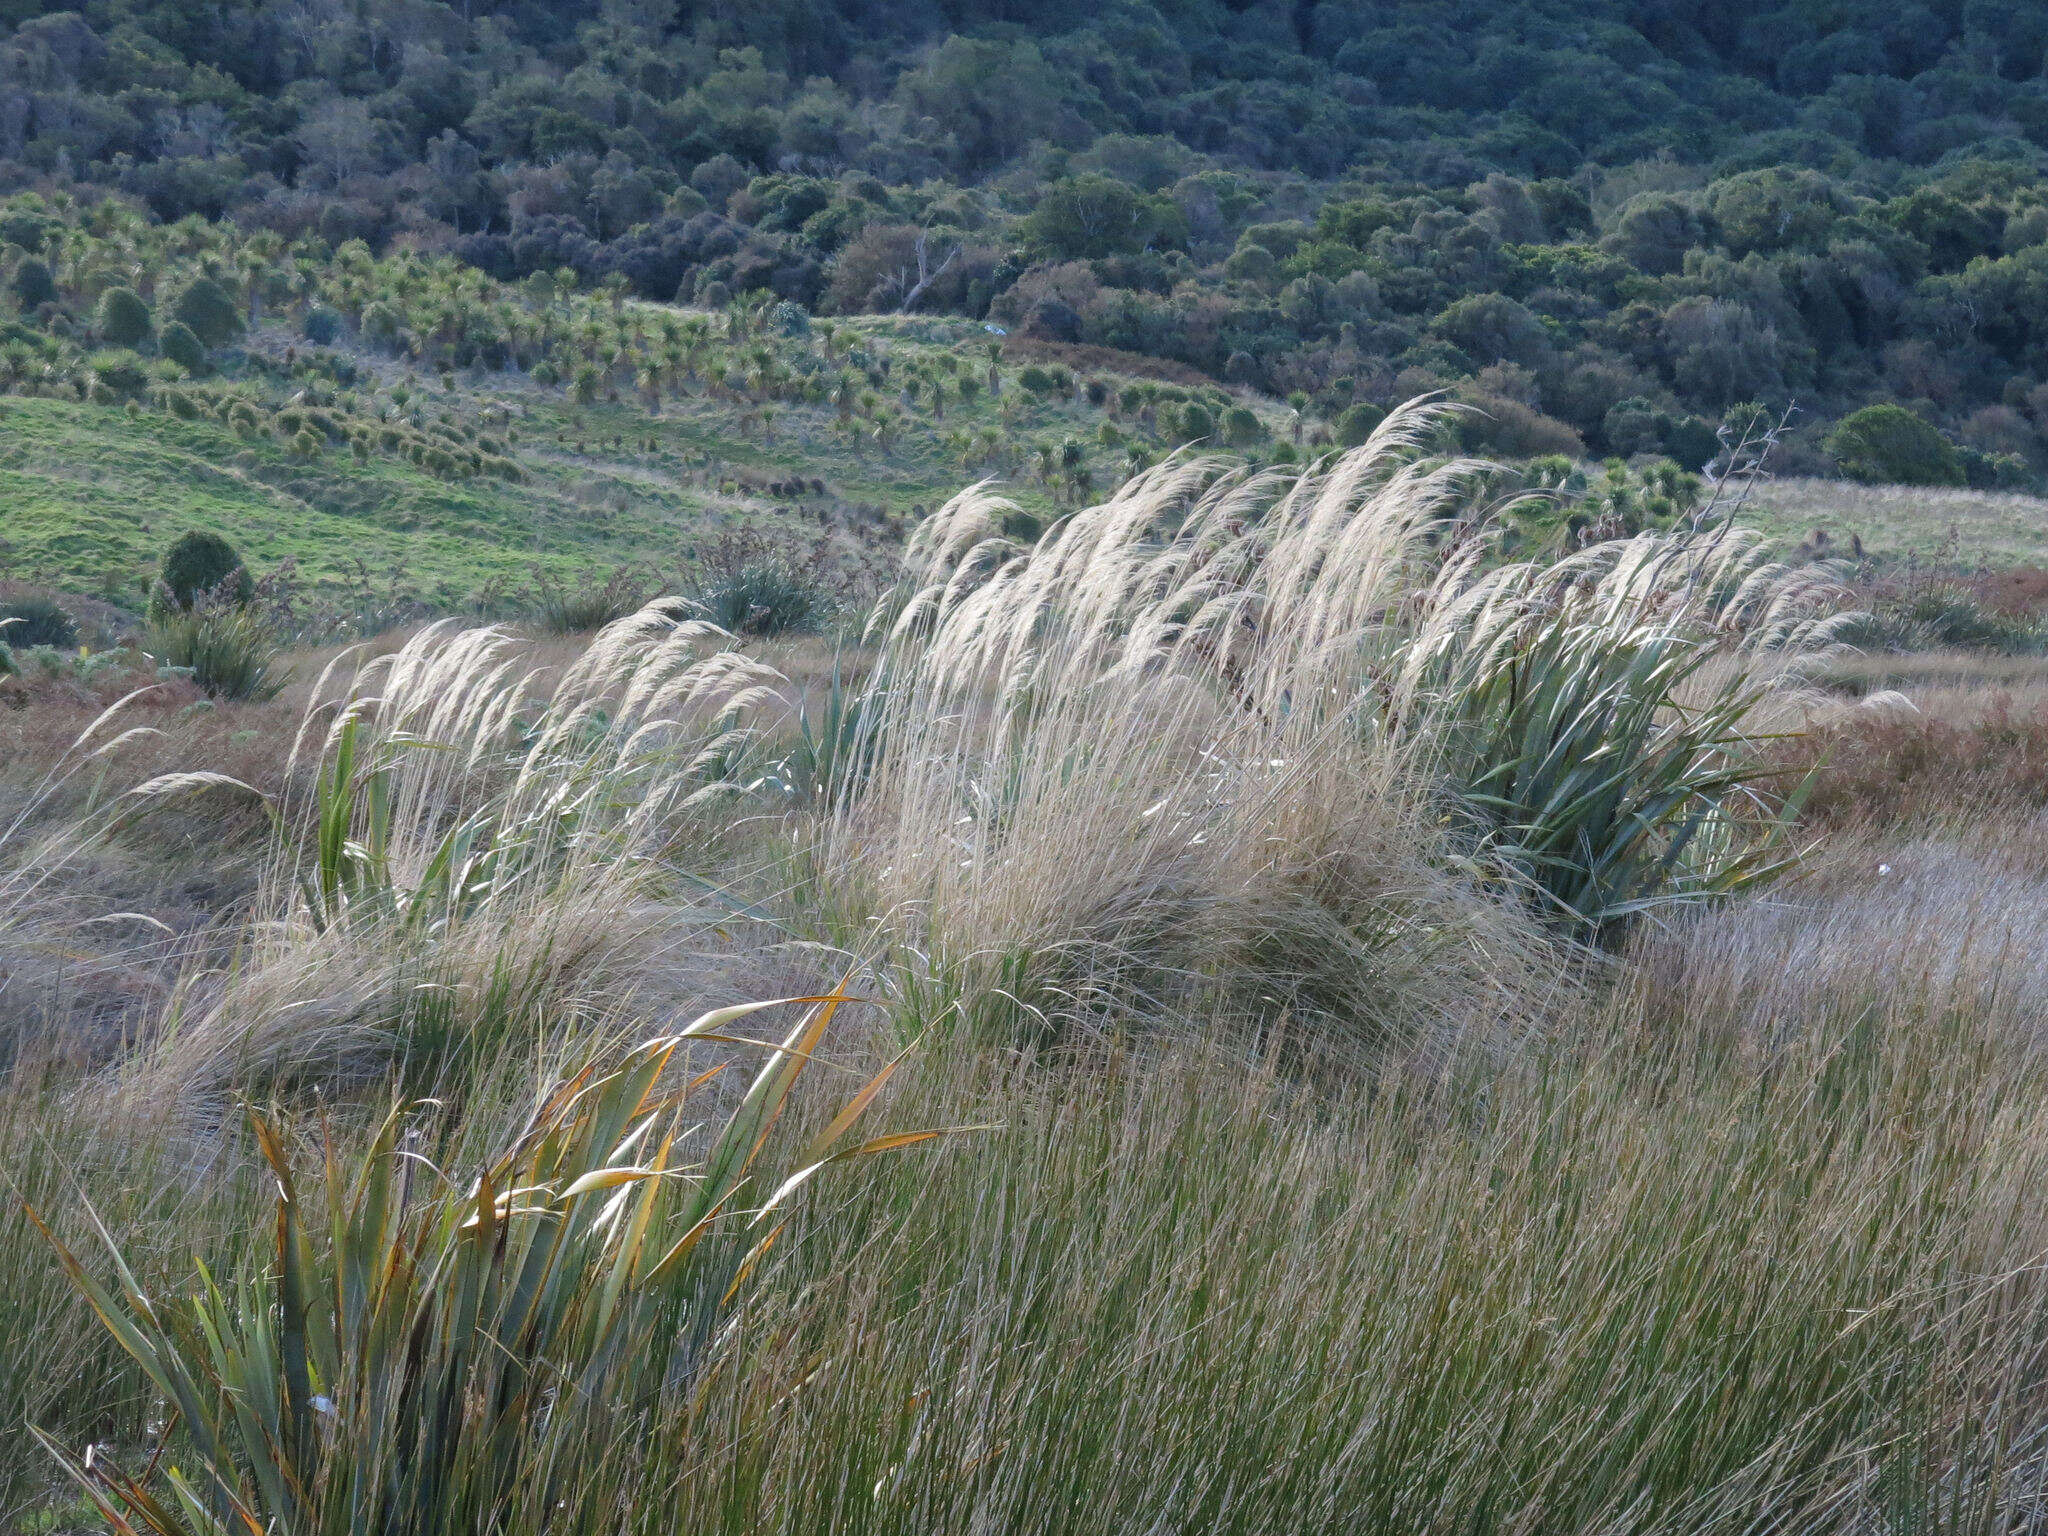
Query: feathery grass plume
point(1131, 762)
point(477, 841)
point(1204, 730)
point(414, 1354)
point(1597, 715)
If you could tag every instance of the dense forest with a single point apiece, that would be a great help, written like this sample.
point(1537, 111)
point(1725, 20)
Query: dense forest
point(1610, 223)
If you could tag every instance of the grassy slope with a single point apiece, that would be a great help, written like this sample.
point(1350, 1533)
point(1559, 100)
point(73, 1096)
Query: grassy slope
point(89, 495)
point(1990, 528)
point(92, 497)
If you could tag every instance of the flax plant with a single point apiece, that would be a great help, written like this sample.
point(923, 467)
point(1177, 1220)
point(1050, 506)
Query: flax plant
point(413, 1353)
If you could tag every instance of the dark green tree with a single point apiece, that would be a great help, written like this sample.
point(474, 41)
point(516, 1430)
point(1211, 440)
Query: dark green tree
point(181, 346)
point(209, 312)
point(33, 285)
point(1888, 444)
point(122, 319)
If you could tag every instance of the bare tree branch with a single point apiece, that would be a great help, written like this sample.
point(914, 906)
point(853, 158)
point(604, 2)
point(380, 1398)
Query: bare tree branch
point(926, 273)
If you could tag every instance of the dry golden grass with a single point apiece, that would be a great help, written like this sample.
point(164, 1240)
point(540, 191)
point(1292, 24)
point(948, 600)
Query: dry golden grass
point(1734, 1228)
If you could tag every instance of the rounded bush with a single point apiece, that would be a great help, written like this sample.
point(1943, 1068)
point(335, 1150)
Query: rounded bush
point(201, 563)
point(212, 315)
point(33, 285)
point(123, 319)
point(1358, 423)
point(1888, 444)
point(1196, 424)
point(182, 346)
point(322, 325)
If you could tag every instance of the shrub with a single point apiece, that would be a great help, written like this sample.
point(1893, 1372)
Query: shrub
point(574, 608)
point(750, 586)
point(118, 372)
point(206, 308)
point(322, 325)
point(1242, 427)
point(1193, 423)
point(1943, 614)
point(181, 344)
point(123, 318)
point(33, 285)
point(224, 647)
point(29, 621)
point(1888, 444)
point(1357, 423)
point(202, 563)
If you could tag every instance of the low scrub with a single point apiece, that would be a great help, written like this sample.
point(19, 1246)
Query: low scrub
point(27, 622)
point(750, 585)
point(585, 603)
point(224, 647)
point(1944, 614)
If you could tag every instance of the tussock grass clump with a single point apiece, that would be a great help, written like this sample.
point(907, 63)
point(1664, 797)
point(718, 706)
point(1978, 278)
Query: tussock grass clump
point(1298, 737)
point(481, 838)
point(224, 647)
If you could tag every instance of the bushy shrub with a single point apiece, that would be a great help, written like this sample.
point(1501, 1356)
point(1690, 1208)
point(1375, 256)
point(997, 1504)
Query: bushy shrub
point(322, 325)
point(1357, 423)
point(588, 602)
point(33, 285)
point(30, 621)
point(1192, 423)
point(123, 319)
point(750, 586)
point(1888, 444)
point(1943, 614)
point(199, 564)
point(1242, 427)
point(181, 344)
point(209, 312)
point(118, 372)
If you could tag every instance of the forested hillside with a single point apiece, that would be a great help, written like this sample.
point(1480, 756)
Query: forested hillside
point(1609, 223)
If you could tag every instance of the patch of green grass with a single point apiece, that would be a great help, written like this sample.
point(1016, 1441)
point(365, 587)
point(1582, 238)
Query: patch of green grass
point(1939, 523)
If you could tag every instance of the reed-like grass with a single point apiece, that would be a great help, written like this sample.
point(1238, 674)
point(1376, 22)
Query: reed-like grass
point(1299, 740)
point(481, 840)
point(415, 1353)
point(1735, 1230)
point(1666, 1272)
